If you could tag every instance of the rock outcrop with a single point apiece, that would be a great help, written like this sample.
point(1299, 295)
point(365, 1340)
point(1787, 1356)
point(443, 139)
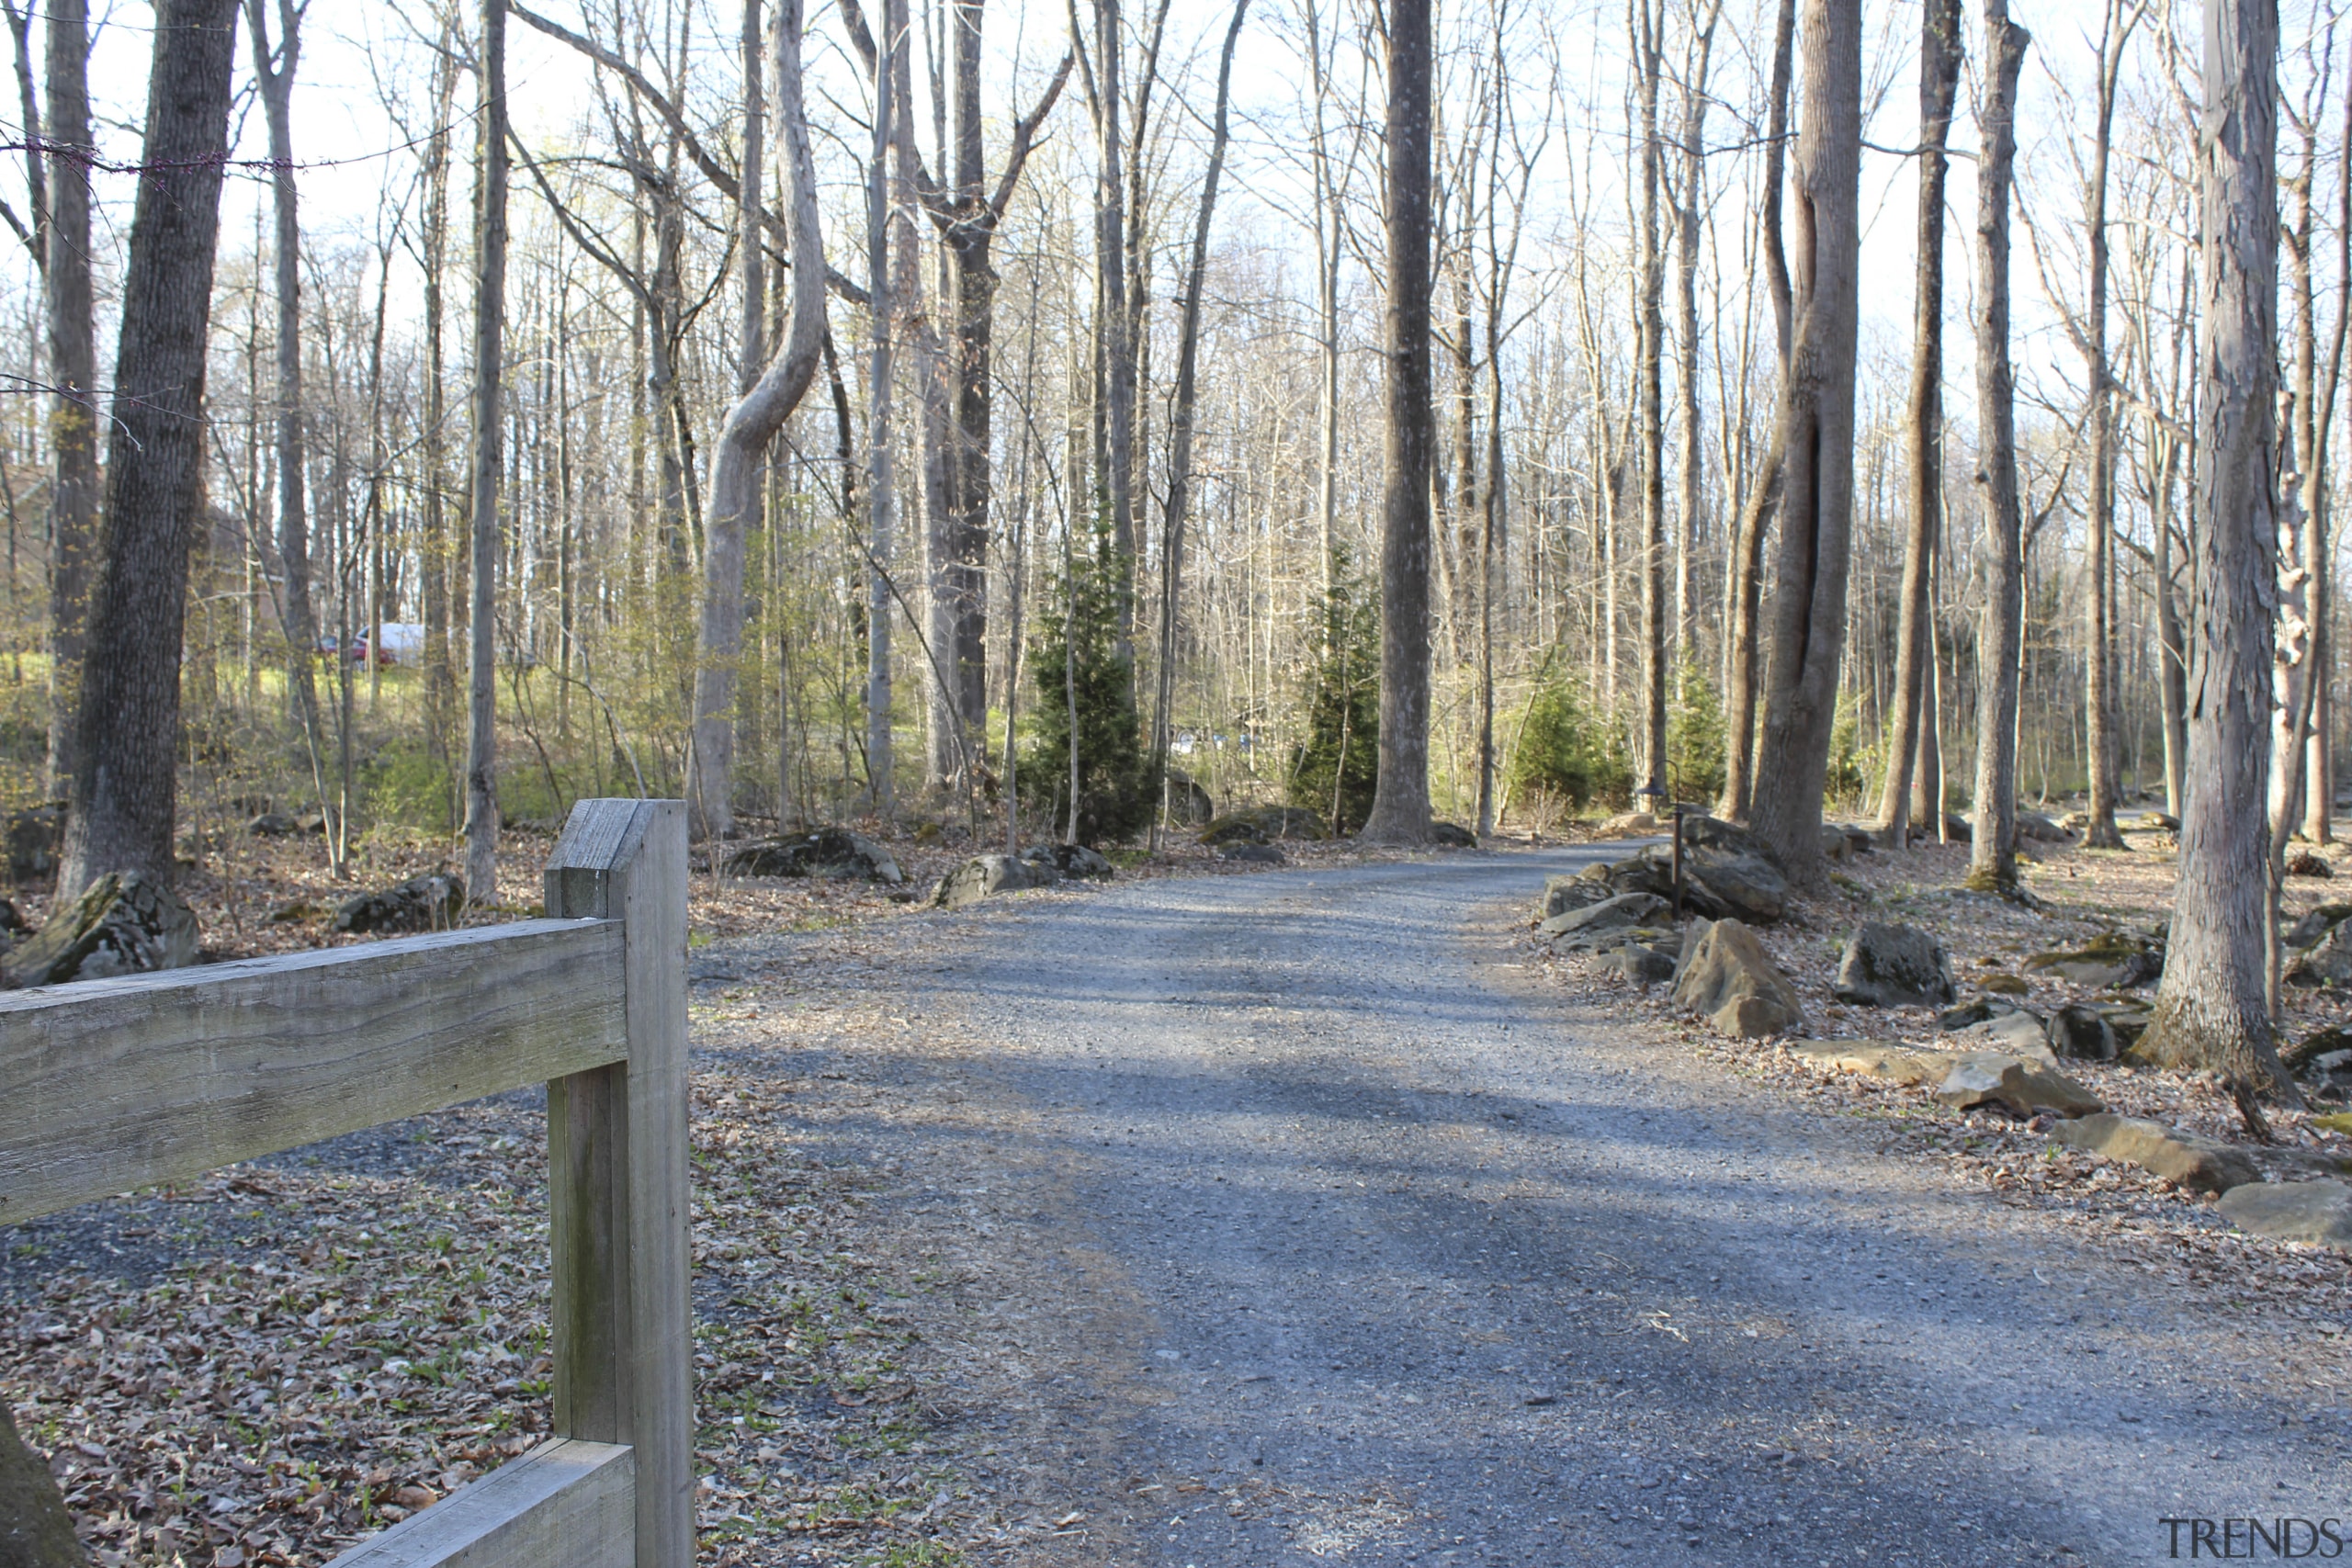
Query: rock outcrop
point(834, 853)
point(2177, 1157)
point(1893, 967)
point(123, 923)
point(428, 903)
point(984, 877)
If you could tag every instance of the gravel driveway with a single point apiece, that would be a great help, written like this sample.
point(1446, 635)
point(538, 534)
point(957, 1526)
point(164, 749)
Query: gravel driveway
point(1369, 1251)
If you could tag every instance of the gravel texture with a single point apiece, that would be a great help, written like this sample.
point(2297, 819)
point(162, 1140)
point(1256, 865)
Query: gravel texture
point(1391, 1257)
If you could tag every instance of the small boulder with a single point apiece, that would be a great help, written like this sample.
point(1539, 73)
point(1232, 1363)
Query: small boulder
point(2312, 929)
point(2083, 1034)
point(2309, 863)
point(2328, 963)
point(1453, 836)
point(1627, 825)
point(123, 923)
point(1893, 967)
point(2308, 1050)
point(2110, 961)
point(1253, 854)
point(1835, 845)
point(1714, 833)
point(832, 853)
point(2177, 1157)
point(1071, 860)
point(1562, 893)
point(2158, 822)
point(983, 877)
point(2293, 1211)
point(428, 903)
point(1958, 829)
point(1725, 974)
point(1643, 965)
point(1625, 910)
point(1991, 1024)
point(2020, 1087)
point(2006, 985)
point(2033, 824)
point(1264, 824)
point(272, 825)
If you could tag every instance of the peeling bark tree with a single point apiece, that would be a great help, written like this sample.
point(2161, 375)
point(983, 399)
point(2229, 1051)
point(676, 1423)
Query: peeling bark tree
point(753, 423)
point(1401, 802)
point(1924, 429)
point(1992, 858)
point(1816, 443)
point(121, 800)
point(489, 351)
point(2211, 1007)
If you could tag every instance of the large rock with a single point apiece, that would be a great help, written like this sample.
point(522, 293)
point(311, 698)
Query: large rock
point(2113, 960)
point(272, 825)
point(1641, 962)
point(983, 877)
point(1189, 805)
point(1893, 967)
point(1562, 893)
point(1263, 825)
point(2293, 1211)
point(1074, 861)
point(2177, 1157)
point(1725, 974)
point(2329, 962)
point(1905, 1064)
point(1625, 910)
point(1453, 836)
point(2313, 927)
point(2022, 1088)
point(428, 903)
point(833, 852)
point(2035, 826)
point(123, 923)
point(2159, 822)
point(1627, 825)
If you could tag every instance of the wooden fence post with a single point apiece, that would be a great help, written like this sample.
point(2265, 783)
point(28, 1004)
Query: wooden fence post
point(622, 1313)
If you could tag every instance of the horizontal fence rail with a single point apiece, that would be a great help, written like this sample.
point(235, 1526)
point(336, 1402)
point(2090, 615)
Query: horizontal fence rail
point(111, 1084)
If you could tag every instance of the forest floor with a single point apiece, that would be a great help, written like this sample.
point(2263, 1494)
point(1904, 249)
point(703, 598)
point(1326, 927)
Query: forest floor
point(1243, 1219)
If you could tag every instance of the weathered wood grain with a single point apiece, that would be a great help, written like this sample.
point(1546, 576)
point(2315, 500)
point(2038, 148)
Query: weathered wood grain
point(564, 1505)
point(111, 1084)
point(622, 1316)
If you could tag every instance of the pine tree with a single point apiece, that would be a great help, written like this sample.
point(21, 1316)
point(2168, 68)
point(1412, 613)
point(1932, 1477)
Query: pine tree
point(1335, 771)
point(1078, 668)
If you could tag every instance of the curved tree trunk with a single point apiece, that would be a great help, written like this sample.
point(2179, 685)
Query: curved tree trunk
point(1401, 802)
point(124, 787)
point(1817, 446)
point(1924, 430)
point(1992, 859)
point(753, 423)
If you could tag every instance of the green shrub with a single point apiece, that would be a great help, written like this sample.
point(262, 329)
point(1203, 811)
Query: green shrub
point(1336, 770)
point(1694, 737)
point(1075, 661)
point(1568, 754)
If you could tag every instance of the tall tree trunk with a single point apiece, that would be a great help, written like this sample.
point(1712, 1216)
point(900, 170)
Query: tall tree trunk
point(881, 468)
point(126, 751)
point(2098, 606)
point(434, 549)
point(1401, 804)
point(1651, 330)
point(1992, 859)
point(759, 414)
point(73, 366)
point(1924, 429)
point(1180, 422)
point(2210, 1008)
point(1693, 151)
point(489, 352)
point(1817, 447)
point(1746, 563)
point(1115, 381)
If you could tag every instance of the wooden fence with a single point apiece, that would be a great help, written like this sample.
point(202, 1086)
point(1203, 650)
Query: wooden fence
point(111, 1084)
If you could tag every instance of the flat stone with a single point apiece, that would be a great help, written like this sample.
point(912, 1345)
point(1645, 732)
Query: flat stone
point(1253, 854)
point(2112, 960)
point(1725, 974)
point(1625, 910)
point(1906, 1065)
point(2177, 1157)
point(2015, 1032)
point(1890, 965)
point(2022, 1088)
point(2317, 1212)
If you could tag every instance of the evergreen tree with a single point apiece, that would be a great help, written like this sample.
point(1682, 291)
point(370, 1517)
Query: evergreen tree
point(1335, 772)
point(1569, 755)
point(1078, 666)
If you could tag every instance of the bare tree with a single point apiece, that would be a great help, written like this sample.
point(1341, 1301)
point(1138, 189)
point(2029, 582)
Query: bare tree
point(1400, 802)
point(889, 69)
point(1745, 574)
point(1650, 318)
point(1816, 443)
point(1922, 433)
point(490, 353)
point(74, 365)
point(762, 409)
point(1992, 859)
point(126, 755)
point(2210, 1008)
